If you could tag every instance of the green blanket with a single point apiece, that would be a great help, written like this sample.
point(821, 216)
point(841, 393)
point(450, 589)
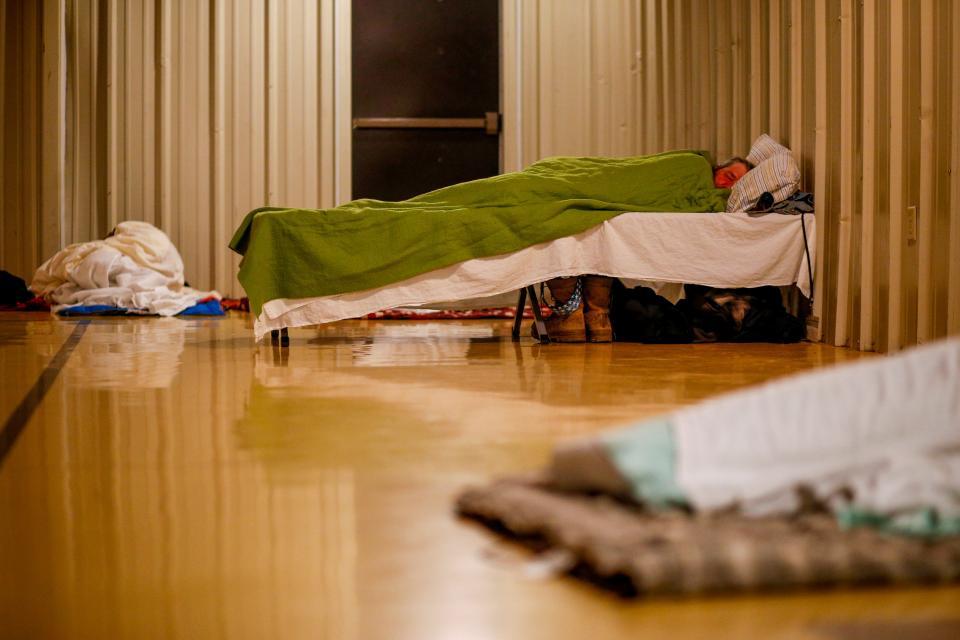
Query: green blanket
point(364, 244)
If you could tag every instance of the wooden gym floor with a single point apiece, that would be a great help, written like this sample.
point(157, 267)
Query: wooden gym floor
point(166, 478)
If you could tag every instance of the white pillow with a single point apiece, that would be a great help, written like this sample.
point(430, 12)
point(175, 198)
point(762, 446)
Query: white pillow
point(778, 174)
point(764, 147)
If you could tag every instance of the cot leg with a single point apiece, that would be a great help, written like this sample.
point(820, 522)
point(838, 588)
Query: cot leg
point(521, 304)
point(537, 318)
point(280, 337)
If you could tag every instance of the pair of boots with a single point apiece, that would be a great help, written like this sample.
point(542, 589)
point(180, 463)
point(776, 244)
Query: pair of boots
point(588, 321)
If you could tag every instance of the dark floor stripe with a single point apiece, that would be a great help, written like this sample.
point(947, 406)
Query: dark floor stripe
point(15, 424)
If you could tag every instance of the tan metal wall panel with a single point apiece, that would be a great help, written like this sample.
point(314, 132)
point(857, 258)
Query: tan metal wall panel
point(911, 253)
point(611, 127)
point(869, 120)
point(897, 201)
point(758, 93)
point(940, 285)
point(795, 89)
point(511, 73)
point(186, 116)
point(652, 90)
point(953, 260)
point(684, 73)
point(702, 89)
point(21, 153)
point(328, 171)
point(52, 126)
point(775, 68)
point(739, 85)
point(5, 259)
point(132, 190)
point(882, 193)
point(565, 59)
point(85, 180)
point(239, 127)
point(669, 74)
point(338, 31)
point(820, 160)
point(294, 82)
point(724, 76)
point(926, 212)
point(20, 84)
point(638, 16)
point(530, 81)
point(809, 98)
point(846, 219)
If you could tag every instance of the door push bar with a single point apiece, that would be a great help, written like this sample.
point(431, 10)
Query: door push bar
point(490, 123)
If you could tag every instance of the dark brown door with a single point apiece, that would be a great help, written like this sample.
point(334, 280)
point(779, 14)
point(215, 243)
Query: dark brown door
point(426, 94)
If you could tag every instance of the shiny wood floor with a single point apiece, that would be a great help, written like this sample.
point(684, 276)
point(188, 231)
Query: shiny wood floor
point(178, 481)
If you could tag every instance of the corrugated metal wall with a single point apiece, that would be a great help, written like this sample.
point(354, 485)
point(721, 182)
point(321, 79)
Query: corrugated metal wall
point(189, 113)
point(31, 133)
point(866, 93)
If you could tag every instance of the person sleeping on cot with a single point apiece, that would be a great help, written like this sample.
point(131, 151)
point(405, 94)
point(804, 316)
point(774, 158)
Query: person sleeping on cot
point(581, 308)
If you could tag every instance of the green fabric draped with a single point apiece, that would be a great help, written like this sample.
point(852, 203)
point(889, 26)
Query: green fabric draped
point(364, 244)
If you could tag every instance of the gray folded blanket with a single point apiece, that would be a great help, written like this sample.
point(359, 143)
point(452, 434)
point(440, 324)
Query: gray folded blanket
point(622, 547)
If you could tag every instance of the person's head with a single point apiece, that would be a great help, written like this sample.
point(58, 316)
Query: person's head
point(726, 175)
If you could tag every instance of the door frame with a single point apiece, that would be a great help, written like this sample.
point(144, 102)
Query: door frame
point(518, 90)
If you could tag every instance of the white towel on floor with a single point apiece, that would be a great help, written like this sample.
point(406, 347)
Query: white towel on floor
point(136, 268)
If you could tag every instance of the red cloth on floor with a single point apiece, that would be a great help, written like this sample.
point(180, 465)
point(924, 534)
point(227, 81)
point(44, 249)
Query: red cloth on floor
point(469, 314)
point(235, 304)
point(36, 304)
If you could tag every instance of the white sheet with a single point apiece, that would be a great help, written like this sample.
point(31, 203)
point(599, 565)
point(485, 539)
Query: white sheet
point(714, 249)
point(887, 428)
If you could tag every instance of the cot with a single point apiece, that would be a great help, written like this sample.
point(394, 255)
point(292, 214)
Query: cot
point(714, 249)
point(648, 218)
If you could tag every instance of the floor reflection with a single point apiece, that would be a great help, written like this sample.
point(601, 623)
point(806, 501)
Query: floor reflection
point(409, 343)
point(126, 509)
point(465, 396)
point(128, 354)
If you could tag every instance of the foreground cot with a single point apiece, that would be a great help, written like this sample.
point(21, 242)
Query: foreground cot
point(843, 476)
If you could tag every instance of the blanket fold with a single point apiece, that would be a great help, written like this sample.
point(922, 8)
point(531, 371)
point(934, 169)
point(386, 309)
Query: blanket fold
point(635, 552)
point(301, 253)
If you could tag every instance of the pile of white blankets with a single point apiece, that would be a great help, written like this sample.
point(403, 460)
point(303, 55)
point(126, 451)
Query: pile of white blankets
point(137, 268)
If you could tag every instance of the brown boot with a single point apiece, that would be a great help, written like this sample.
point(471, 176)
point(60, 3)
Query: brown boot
point(562, 327)
point(596, 301)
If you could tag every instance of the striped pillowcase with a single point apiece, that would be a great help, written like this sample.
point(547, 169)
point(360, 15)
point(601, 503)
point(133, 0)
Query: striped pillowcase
point(764, 147)
point(778, 174)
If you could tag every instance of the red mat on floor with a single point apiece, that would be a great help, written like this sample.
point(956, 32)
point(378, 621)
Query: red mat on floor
point(36, 304)
point(434, 314)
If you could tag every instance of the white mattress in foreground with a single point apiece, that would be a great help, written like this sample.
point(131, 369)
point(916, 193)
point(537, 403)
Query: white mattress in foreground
point(713, 249)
